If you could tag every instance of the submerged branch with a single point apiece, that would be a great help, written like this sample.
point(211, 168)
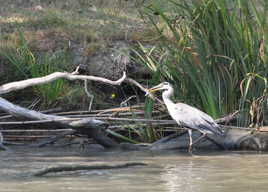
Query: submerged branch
point(86, 167)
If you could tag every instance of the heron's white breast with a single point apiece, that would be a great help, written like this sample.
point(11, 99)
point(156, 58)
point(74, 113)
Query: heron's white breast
point(176, 113)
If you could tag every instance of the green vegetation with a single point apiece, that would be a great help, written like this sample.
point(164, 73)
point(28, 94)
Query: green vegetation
point(26, 65)
point(38, 38)
point(215, 53)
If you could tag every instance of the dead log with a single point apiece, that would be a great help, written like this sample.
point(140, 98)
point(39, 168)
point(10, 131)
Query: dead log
point(45, 111)
point(53, 139)
point(88, 126)
point(236, 138)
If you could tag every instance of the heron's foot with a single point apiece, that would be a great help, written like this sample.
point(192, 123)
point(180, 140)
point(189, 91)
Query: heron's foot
point(190, 149)
point(191, 143)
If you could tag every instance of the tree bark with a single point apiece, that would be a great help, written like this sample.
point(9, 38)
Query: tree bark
point(6, 88)
point(235, 139)
point(89, 126)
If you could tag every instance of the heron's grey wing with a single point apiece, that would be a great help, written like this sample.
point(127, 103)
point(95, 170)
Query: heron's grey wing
point(196, 119)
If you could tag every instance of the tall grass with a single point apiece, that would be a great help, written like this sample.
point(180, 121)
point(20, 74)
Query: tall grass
point(208, 48)
point(26, 65)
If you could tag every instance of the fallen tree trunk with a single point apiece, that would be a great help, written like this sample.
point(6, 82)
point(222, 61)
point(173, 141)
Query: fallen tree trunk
point(88, 126)
point(235, 139)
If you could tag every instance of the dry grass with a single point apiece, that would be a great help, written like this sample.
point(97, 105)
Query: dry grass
point(81, 20)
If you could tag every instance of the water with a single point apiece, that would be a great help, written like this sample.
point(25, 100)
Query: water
point(166, 171)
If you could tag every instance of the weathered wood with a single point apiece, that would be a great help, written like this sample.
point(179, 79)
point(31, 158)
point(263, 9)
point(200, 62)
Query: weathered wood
point(235, 139)
point(18, 85)
point(5, 116)
point(33, 130)
point(91, 123)
point(79, 117)
point(53, 139)
point(228, 118)
point(89, 126)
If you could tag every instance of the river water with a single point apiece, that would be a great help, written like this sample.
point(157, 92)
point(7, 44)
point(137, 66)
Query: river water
point(166, 171)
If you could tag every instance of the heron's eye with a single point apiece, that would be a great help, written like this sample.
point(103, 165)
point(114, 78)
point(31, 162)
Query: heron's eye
point(165, 83)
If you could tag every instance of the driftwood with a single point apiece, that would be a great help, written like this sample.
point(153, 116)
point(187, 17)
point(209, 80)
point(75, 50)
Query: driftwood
point(6, 88)
point(45, 111)
point(88, 126)
point(235, 139)
point(102, 115)
point(87, 167)
point(53, 139)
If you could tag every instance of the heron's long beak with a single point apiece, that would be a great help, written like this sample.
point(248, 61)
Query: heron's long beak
point(154, 89)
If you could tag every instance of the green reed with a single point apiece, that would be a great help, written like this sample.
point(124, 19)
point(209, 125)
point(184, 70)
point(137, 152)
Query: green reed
point(26, 65)
point(208, 48)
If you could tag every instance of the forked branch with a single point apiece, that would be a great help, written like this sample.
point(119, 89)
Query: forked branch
point(6, 88)
point(15, 110)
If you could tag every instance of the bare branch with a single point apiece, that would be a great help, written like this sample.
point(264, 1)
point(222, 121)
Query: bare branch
point(226, 119)
point(90, 96)
point(6, 88)
point(132, 81)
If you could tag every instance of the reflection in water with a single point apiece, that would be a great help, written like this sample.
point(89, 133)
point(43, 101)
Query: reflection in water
point(183, 177)
point(166, 172)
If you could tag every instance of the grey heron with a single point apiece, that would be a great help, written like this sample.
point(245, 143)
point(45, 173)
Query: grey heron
point(188, 116)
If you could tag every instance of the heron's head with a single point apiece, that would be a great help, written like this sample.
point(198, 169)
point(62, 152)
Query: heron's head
point(161, 86)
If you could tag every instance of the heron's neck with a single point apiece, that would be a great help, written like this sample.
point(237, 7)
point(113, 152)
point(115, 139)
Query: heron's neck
point(166, 95)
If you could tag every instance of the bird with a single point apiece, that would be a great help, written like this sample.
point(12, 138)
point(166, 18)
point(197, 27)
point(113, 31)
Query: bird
point(188, 116)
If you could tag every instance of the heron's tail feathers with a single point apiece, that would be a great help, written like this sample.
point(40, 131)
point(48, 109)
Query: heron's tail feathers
point(215, 129)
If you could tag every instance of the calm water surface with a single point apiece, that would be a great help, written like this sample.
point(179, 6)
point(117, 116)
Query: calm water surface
point(167, 171)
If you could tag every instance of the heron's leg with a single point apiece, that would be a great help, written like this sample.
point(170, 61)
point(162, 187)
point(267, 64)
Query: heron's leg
point(199, 138)
point(190, 140)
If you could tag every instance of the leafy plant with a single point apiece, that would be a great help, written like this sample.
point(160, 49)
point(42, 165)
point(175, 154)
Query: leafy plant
point(255, 108)
point(28, 66)
point(20, 57)
point(206, 49)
